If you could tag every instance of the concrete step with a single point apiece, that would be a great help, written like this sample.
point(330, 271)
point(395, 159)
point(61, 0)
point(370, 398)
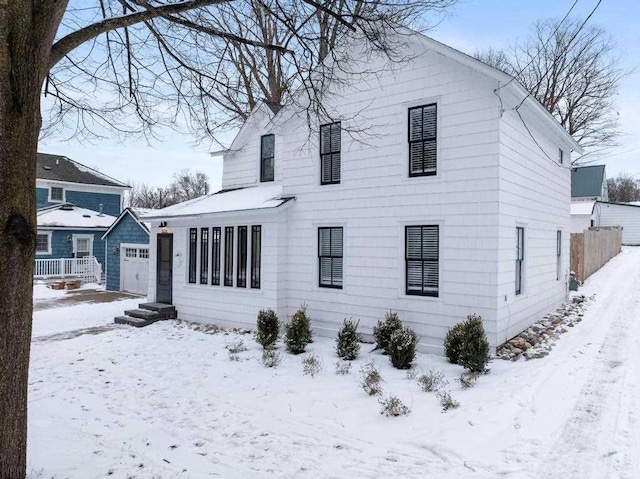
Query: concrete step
point(135, 322)
point(168, 310)
point(145, 314)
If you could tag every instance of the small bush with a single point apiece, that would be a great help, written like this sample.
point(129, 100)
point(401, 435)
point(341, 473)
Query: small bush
point(402, 347)
point(343, 367)
point(311, 365)
point(446, 401)
point(234, 356)
point(382, 332)
point(298, 332)
point(432, 381)
point(475, 352)
point(371, 379)
point(236, 347)
point(268, 328)
point(453, 343)
point(271, 358)
point(392, 406)
point(348, 340)
point(412, 374)
point(468, 380)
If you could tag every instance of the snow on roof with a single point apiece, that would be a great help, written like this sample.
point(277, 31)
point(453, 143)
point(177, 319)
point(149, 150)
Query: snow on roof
point(251, 198)
point(70, 216)
point(582, 207)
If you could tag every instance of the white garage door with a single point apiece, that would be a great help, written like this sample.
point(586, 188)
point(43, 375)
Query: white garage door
point(134, 268)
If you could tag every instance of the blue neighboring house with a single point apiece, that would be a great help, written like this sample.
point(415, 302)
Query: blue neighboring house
point(127, 252)
point(76, 205)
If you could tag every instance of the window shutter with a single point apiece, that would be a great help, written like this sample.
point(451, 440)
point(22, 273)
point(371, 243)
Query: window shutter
point(423, 140)
point(330, 155)
point(422, 260)
point(330, 257)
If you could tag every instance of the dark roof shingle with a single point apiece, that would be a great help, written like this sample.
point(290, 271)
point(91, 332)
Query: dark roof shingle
point(61, 168)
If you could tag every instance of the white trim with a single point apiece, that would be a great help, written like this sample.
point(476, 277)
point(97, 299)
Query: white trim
point(75, 238)
point(64, 194)
point(48, 234)
point(87, 187)
point(115, 223)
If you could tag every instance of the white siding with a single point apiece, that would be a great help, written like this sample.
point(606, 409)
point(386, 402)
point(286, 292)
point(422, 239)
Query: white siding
point(627, 216)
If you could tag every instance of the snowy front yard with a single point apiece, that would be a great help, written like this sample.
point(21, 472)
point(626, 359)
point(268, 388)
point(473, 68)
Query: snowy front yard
point(165, 401)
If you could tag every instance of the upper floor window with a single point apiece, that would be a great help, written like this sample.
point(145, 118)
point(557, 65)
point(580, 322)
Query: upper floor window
point(330, 153)
point(422, 260)
point(267, 155)
point(561, 156)
point(56, 194)
point(423, 140)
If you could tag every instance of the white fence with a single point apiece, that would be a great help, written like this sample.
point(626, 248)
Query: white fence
point(87, 268)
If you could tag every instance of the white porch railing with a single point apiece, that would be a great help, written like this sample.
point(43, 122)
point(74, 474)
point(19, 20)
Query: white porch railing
point(88, 269)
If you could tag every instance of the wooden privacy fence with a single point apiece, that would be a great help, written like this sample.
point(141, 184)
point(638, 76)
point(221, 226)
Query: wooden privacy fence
point(593, 248)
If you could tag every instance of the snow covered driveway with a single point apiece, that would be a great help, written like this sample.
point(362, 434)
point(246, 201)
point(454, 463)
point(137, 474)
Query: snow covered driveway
point(165, 401)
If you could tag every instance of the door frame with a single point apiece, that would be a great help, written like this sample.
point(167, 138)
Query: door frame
point(121, 253)
point(74, 243)
point(170, 236)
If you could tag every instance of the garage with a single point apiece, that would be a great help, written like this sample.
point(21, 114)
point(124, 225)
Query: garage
point(134, 268)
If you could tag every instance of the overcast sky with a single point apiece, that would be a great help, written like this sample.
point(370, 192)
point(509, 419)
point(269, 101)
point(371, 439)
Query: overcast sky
point(471, 25)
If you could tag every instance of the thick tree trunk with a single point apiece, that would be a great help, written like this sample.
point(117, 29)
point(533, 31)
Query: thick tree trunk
point(27, 29)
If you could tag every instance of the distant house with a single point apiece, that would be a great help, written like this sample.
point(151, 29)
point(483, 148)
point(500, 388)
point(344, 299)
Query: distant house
point(76, 205)
point(588, 188)
point(127, 252)
point(456, 203)
point(625, 215)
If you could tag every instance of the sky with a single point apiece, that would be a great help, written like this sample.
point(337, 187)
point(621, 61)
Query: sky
point(469, 26)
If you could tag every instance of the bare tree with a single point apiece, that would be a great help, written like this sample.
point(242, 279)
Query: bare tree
point(573, 71)
point(187, 185)
point(127, 66)
point(142, 195)
point(623, 189)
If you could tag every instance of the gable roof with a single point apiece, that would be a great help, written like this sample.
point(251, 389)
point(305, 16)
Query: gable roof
point(586, 181)
point(136, 214)
point(61, 168)
point(240, 199)
point(66, 215)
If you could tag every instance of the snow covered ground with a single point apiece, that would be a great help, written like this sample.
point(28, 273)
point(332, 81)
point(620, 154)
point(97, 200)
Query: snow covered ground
point(165, 401)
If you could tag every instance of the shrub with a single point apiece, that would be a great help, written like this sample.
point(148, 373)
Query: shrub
point(432, 381)
point(271, 358)
point(382, 332)
point(311, 365)
point(468, 380)
point(402, 347)
point(343, 367)
point(348, 340)
point(236, 347)
point(268, 328)
point(475, 351)
point(412, 374)
point(370, 379)
point(298, 332)
point(446, 401)
point(393, 406)
point(453, 343)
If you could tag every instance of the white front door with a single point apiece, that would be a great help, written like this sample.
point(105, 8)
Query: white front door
point(134, 268)
point(82, 246)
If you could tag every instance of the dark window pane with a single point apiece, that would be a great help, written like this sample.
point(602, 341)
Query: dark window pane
point(256, 247)
point(423, 130)
point(228, 256)
point(241, 278)
point(193, 252)
point(215, 256)
point(267, 156)
point(422, 259)
point(330, 257)
point(204, 255)
point(330, 146)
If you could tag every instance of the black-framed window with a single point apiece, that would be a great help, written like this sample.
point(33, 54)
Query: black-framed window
point(204, 255)
point(330, 257)
point(193, 254)
point(256, 249)
point(422, 257)
point(519, 258)
point(561, 156)
point(57, 193)
point(228, 256)
point(330, 159)
point(423, 128)
point(241, 273)
point(267, 157)
point(558, 254)
point(215, 255)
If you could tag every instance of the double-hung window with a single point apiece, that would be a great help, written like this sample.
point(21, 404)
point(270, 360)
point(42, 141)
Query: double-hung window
point(558, 254)
point(330, 257)
point(204, 255)
point(519, 258)
point(43, 243)
point(330, 153)
point(56, 194)
point(256, 246)
point(215, 255)
point(193, 253)
point(241, 276)
point(228, 256)
point(423, 140)
point(267, 157)
point(422, 260)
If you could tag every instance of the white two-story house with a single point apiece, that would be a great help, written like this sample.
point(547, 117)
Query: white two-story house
point(428, 191)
